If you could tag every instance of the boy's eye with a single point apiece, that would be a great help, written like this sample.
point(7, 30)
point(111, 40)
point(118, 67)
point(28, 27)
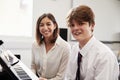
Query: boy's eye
point(71, 25)
point(81, 23)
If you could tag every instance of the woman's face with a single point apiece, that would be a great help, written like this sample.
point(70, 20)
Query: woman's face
point(47, 27)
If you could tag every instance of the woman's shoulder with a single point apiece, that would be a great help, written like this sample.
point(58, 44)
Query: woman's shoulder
point(60, 39)
point(62, 42)
point(35, 44)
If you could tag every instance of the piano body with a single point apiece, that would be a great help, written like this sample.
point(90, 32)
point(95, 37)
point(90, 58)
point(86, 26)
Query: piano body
point(15, 68)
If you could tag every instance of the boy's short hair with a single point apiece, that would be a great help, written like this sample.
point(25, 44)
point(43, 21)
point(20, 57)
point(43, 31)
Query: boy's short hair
point(81, 14)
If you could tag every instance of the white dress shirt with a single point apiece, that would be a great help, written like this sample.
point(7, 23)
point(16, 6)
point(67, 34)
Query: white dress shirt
point(98, 62)
point(51, 65)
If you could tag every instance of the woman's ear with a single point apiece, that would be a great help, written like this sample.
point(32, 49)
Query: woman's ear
point(55, 26)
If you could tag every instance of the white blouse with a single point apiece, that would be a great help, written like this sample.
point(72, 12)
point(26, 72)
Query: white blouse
point(98, 62)
point(51, 65)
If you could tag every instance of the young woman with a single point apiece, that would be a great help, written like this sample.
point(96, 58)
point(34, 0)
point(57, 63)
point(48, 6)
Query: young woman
point(50, 53)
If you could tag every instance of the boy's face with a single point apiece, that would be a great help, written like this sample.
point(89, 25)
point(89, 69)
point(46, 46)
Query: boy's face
point(81, 32)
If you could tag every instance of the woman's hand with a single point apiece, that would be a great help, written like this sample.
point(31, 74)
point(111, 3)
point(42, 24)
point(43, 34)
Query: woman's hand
point(41, 78)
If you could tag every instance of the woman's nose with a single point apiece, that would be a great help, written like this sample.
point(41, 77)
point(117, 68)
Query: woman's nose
point(45, 27)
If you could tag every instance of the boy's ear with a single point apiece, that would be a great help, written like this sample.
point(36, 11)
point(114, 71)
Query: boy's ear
point(92, 27)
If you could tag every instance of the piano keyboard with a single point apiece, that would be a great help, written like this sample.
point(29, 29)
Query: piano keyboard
point(15, 68)
point(21, 73)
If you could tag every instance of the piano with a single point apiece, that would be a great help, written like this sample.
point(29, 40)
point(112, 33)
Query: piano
point(15, 68)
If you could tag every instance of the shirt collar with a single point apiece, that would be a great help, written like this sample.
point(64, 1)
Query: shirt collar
point(87, 46)
point(58, 40)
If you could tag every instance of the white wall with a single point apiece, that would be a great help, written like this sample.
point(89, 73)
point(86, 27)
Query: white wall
point(16, 18)
point(16, 23)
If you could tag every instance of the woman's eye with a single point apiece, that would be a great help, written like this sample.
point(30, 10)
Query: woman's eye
point(41, 25)
point(48, 24)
